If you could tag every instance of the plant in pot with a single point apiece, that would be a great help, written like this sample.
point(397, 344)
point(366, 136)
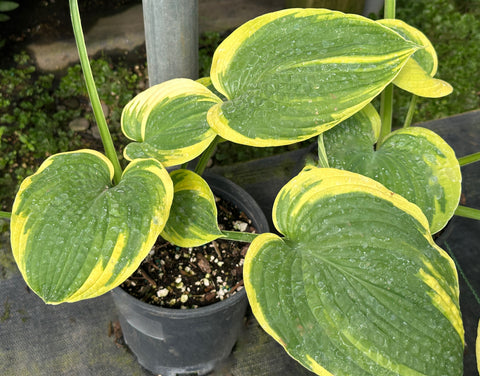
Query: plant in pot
point(352, 283)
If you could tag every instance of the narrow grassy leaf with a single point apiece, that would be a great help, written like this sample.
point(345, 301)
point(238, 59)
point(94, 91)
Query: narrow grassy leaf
point(7, 6)
point(75, 236)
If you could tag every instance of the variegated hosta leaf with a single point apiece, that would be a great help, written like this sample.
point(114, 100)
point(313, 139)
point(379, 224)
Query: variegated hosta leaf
point(292, 74)
point(477, 347)
point(417, 75)
point(357, 286)
point(193, 216)
point(207, 82)
point(168, 122)
point(413, 162)
point(75, 236)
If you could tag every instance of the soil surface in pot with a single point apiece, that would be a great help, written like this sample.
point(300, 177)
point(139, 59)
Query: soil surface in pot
point(175, 277)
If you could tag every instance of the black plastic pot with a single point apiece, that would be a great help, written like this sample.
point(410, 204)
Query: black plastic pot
point(174, 342)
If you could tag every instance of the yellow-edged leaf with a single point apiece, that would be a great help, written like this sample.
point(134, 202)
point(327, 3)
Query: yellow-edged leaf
point(413, 162)
point(293, 74)
point(417, 75)
point(74, 235)
point(193, 216)
point(168, 122)
point(356, 273)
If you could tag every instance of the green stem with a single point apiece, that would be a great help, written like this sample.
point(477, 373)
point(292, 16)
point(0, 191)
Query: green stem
point(386, 99)
point(246, 237)
point(466, 212)
point(322, 153)
point(389, 11)
point(203, 161)
point(411, 111)
point(92, 92)
point(386, 111)
point(5, 215)
point(469, 159)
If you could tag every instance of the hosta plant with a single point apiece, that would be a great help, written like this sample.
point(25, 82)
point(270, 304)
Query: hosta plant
point(352, 282)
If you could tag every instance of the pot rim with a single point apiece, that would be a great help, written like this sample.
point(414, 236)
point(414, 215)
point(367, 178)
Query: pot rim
point(178, 312)
point(240, 295)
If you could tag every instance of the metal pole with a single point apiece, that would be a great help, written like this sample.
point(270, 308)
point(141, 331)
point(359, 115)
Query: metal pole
point(171, 38)
point(372, 6)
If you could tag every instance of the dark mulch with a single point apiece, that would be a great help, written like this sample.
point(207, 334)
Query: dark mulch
point(176, 277)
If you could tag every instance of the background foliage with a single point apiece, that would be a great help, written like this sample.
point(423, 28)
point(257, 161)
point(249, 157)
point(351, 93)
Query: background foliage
point(36, 109)
point(453, 27)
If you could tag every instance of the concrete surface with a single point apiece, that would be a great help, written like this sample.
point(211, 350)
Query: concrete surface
point(125, 31)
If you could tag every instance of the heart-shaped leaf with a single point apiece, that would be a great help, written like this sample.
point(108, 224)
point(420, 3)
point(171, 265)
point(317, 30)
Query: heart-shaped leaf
point(292, 74)
point(417, 75)
point(168, 122)
point(75, 236)
point(413, 162)
point(193, 216)
point(357, 286)
point(477, 347)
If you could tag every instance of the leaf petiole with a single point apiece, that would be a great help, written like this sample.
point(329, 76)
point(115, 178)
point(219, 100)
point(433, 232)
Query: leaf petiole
point(466, 212)
point(203, 161)
point(238, 236)
point(92, 92)
point(471, 158)
point(386, 98)
point(5, 215)
point(411, 111)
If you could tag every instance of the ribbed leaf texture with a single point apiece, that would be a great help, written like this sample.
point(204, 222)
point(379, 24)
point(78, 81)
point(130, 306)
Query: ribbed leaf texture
point(292, 74)
point(76, 236)
point(413, 162)
point(356, 286)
